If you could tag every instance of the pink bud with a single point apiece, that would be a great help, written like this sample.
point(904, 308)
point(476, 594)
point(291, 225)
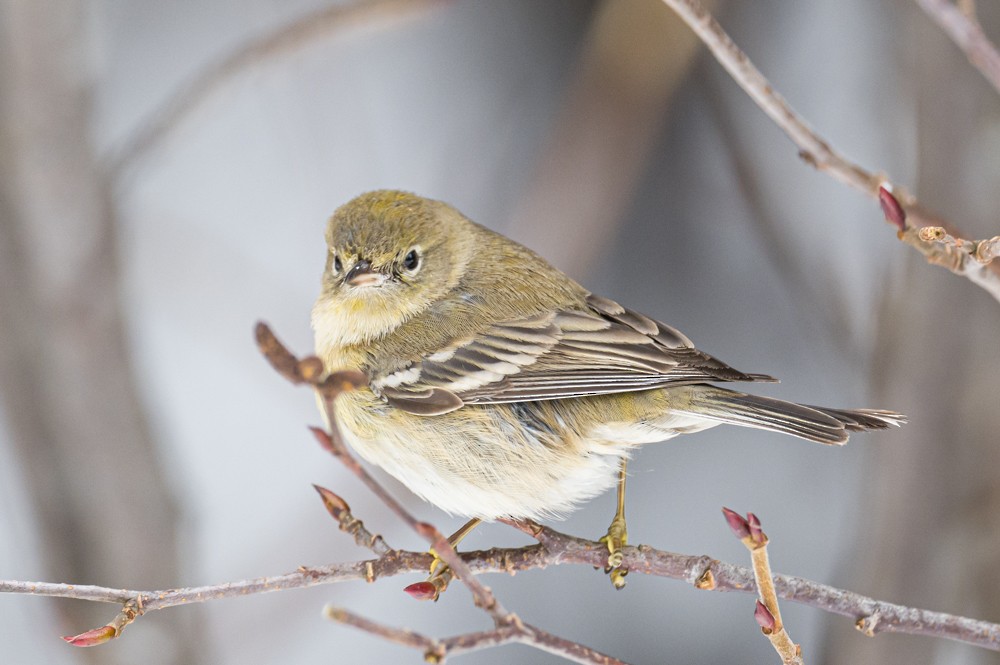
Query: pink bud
point(93, 637)
point(739, 526)
point(764, 618)
point(893, 211)
point(422, 591)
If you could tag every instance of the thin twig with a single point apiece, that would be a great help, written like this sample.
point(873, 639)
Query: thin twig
point(351, 525)
point(557, 549)
point(332, 442)
point(285, 39)
point(981, 251)
point(813, 149)
point(310, 371)
point(407, 638)
point(767, 612)
point(437, 650)
point(961, 25)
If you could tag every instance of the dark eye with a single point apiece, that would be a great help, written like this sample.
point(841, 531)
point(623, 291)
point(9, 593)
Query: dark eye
point(337, 265)
point(412, 260)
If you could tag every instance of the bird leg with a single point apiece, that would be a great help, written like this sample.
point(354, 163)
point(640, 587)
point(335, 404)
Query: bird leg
point(617, 536)
point(441, 573)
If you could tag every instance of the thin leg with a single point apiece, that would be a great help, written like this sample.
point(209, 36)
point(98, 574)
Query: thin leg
point(441, 574)
point(617, 536)
point(454, 540)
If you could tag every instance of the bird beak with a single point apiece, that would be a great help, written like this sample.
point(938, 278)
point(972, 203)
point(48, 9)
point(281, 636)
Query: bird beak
point(361, 274)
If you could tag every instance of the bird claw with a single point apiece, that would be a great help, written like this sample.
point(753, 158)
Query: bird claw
point(616, 539)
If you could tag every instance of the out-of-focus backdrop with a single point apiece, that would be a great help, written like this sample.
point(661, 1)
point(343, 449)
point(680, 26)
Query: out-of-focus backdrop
point(166, 170)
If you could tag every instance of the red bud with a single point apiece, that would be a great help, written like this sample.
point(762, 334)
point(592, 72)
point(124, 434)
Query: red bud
point(764, 618)
point(891, 208)
point(739, 526)
point(93, 637)
point(422, 591)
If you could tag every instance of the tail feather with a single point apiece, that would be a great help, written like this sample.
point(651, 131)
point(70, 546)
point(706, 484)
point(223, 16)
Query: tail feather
point(814, 423)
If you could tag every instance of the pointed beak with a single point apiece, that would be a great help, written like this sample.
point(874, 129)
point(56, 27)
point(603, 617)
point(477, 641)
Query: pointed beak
point(361, 274)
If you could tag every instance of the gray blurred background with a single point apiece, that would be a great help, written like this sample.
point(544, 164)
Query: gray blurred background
point(145, 444)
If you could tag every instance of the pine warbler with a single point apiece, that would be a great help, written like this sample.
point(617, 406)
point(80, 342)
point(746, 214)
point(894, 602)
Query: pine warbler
point(501, 388)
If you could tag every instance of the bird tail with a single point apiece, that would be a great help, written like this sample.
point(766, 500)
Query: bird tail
point(815, 423)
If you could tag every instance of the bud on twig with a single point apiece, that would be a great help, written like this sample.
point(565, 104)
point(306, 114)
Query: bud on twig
point(739, 525)
point(764, 618)
point(422, 591)
point(891, 208)
point(334, 505)
point(92, 637)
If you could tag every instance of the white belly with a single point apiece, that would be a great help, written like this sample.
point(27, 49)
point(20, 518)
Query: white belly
point(485, 463)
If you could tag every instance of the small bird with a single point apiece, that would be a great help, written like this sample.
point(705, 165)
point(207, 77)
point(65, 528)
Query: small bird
point(501, 388)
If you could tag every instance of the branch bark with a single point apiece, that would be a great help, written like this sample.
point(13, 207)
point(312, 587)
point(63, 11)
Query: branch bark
point(559, 549)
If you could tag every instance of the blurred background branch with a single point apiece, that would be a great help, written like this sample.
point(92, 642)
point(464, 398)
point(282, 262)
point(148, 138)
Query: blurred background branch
point(73, 411)
point(263, 50)
point(613, 110)
point(959, 20)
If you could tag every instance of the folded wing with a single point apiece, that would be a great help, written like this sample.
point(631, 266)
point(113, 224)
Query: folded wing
point(603, 348)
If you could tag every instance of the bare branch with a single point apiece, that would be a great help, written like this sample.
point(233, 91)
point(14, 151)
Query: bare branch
point(982, 251)
point(407, 638)
point(286, 39)
point(960, 23)
point(436, 651)
point(555, 549)
point(813, 149)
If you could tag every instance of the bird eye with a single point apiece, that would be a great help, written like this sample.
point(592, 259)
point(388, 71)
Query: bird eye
point(337, 265)
point(412, 260)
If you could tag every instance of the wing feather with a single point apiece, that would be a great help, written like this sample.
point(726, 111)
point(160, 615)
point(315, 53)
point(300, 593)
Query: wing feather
point(601, 349)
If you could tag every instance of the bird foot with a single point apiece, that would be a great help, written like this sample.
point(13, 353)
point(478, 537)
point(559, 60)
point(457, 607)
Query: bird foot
point(615, 539)
point(435, 584)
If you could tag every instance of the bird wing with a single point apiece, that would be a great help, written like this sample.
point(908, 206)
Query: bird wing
point(603, 348)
